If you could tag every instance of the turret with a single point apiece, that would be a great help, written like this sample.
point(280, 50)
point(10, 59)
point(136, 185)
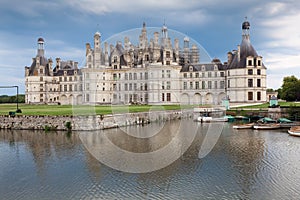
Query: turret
point(40, 51)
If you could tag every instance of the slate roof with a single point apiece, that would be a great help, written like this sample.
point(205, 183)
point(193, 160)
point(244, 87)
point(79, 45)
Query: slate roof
point(43, 62)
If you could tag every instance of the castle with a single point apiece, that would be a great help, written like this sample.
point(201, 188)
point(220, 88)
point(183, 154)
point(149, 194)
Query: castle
point(154, 71)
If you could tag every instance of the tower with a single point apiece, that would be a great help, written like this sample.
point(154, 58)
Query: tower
point(97, 51)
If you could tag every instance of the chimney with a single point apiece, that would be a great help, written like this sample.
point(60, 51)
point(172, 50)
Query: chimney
point(229, 57)
point(87, 47)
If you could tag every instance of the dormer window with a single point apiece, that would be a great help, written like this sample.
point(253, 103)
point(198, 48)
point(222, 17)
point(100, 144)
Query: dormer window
point(258, 62)
point(203, 68)
point(249, 62)
point(115, 59)
point(191, 68)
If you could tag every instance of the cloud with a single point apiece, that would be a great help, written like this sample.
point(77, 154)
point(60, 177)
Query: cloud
point(280, 36)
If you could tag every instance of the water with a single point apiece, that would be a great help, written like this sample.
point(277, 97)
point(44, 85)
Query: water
point(244, 164)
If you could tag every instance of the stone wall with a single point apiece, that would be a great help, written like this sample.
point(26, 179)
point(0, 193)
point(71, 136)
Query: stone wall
point(95, 122)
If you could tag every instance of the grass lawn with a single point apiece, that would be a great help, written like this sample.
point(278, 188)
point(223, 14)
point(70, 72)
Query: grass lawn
point(82, 109)
point(266, 105)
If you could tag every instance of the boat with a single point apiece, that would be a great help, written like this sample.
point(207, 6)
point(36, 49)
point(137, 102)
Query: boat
point(242, 118)
point(266, 126)
point(243, 126)
point(210, 114)
point(229, 118)
point(266, 123)
point(211, 119)
point(294, 131)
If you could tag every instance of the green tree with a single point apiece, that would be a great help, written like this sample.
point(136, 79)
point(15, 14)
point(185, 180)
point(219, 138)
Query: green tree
point(290, 89)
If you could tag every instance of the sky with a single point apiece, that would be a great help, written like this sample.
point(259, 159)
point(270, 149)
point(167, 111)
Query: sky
point(68, 25)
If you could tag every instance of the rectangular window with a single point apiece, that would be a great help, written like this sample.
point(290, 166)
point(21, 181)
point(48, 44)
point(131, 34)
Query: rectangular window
point(146, 75)
point(250, 82)
point(197, 85)
point(249, 62)
point(130, 86)
point(216, 74)
point(250, 71)
point(191, 85)
point(184, 75)
point(191, 75)
point(258, 96)
point(203, 84)
point(258, 62)
point(168, 96)
point(258, 72)
point(168, 85)
point(70, 78)
point(184, 85)
point(168, 73)
point(87, 97)
point(126, 76)
point(197, 75)
point(115, 77)
point(203, 74)
point(209, 85)
point(60, 79)
point(216, 84)
point(228, 84)
point(222, 84)
point(41, 78)
point(163, 96)
point(65, 78)
point(168, 55)
point(222, 74)
point(162, 73)
point(258, 83)
point(163, 85)
point(168, 63)
point(135, 76)
point(70, 88)
point(209, 74)
point(250, 96)
point(65, 88)
point(126, 86)
point(141, 76)
point(75, 87)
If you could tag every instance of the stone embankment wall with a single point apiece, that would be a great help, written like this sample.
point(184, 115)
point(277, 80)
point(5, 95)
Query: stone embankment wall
point(95, 122)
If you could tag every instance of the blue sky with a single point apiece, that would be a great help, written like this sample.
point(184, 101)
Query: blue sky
point(67, 25)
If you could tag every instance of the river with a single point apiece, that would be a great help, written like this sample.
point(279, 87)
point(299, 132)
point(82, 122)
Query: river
point(237, 164)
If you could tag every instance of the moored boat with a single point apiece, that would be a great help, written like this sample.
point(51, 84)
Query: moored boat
point(294, 131)
point(267, 126)
point(210, 114)
point(243, 126)
point(212, 119)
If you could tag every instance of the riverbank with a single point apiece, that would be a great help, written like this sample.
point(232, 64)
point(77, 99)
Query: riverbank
point(89, 122)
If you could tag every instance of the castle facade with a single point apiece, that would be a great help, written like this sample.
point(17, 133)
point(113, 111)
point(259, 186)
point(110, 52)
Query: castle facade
point(155, 71)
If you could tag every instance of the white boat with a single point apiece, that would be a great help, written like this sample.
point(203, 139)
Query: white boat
point(294, 131)
point(210, 114)
point(212, 119)
point(266, 126)
point(243, 126)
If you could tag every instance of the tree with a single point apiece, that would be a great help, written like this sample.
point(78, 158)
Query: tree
point(290, 89)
